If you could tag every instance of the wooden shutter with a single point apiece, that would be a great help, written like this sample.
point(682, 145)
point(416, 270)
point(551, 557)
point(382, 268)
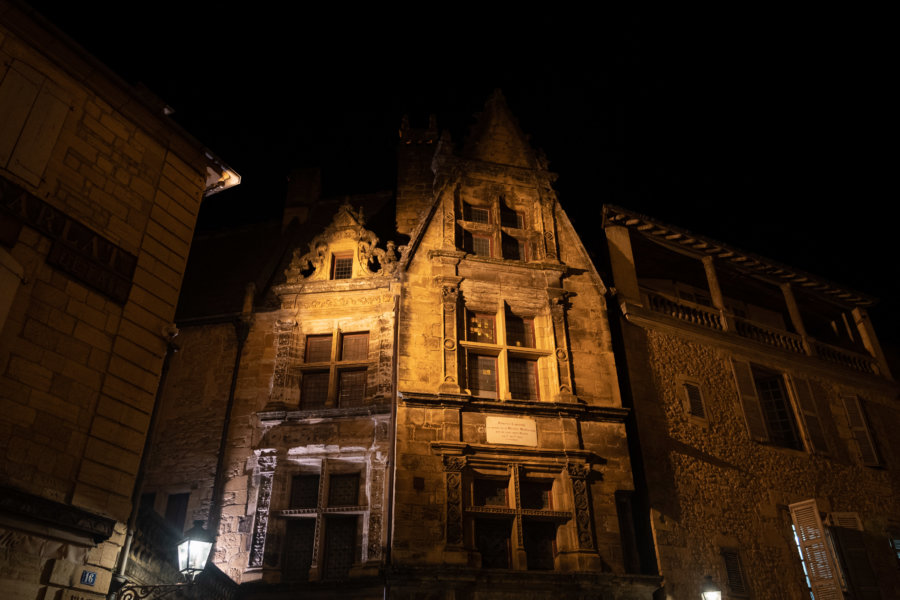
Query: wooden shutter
point(694, 400)
point(860, 430)
point(812, 425)
point(820, 567)
point(847, 533)
point(753, 415)
point(734, 571)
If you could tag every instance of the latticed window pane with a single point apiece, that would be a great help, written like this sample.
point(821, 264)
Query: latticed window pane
point(490, 492)
point(536, 494)
point(492, 541)
point(343, 489)
point(483, 375)
point(352, 387)
point(318, 348)
point(304, 491)
point(298, 548)
point(355, 346)
point(776, 410)
point(340, 545)
point(480, 328)
point(511, 218)
point(513, 249)
point(481, 246)
point(539, 538)
point(314, 391)
point(342, 268)
point(477, 214)
point(519, 331)
point(523, 379)
point(695, 400)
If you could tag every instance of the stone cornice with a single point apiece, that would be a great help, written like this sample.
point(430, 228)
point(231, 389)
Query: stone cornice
point(36, 512)
point(580, 411)
point(746, 262)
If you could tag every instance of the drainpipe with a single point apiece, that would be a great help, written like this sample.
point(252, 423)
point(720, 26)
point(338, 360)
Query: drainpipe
point(118, 577)
point(241, 329)
point(395, 398)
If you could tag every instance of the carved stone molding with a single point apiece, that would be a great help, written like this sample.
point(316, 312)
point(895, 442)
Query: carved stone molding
point(282, 380)
point(578, 473)
point(266, 464)
point(454, 463)
point(454, 508)
point(449, 302)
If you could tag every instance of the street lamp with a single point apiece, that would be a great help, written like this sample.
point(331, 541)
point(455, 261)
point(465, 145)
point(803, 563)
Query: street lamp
point(709, 590)
point(193, 550)
point(193, 554)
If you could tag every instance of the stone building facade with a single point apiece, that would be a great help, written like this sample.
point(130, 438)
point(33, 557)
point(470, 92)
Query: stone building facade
point(763, 407)
point(99, 194)
point(439, 418)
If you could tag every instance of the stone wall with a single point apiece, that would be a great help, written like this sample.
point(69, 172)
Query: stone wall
point(712, 487)
point(99, 200)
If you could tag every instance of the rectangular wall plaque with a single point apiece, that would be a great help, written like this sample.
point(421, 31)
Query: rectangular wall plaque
point(510, 430)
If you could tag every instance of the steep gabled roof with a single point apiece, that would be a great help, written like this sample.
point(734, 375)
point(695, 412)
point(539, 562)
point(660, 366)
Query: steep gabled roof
point(496, 137)
point(746, 262)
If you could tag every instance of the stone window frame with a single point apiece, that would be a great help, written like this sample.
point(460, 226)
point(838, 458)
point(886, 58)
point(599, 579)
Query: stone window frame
point(497, 228)
point(689, 405)
point(518, 516)
point(334, 366)
point(325, 469)
point(503, 352)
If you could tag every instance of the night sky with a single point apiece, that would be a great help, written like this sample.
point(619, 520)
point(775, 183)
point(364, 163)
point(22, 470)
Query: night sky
point(762, 130)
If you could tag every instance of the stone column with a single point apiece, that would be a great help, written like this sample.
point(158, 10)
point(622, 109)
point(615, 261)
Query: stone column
point(558, 305)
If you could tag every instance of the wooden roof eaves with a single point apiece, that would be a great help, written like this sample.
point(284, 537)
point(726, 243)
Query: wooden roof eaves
point(685, 241)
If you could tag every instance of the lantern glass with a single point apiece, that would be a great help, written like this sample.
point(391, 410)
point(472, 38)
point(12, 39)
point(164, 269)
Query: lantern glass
point(709, 590)
point(193, 550)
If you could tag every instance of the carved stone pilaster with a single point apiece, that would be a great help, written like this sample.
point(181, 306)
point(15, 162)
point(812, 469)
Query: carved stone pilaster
point(578, 474)
point(266, 465)
point(548, 222)
point(558, 307)
point(453, 466)
point(449, 309)
point(515, 472)
point(284, 388)
point(376, 507)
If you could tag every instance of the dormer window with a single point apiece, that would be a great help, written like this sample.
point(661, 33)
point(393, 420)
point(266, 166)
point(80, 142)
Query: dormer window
point(342, 266)
point(496, 230)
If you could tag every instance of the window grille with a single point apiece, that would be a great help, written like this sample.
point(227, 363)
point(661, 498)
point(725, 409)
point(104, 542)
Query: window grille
point(523, 379)
point(343, 489)
point(481, 246)
point(536, 494)
point(304, 491)
point(777, 411)
point(352, 387)
point(519, 331)
point(340, 545)
point(355, 346)
point(342, 267)
point(481, 328)
point(314, 392)
point(492, 541)
point(298, 548)
point(477, 214)
point(483, 375)
point(318, 348)
point(490, 492)
point(539, 541)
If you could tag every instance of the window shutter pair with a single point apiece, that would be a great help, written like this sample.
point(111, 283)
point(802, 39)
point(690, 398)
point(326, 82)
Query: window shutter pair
point(753, 413)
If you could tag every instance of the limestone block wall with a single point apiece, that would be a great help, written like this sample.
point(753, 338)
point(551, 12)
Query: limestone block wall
point(98, 199)
point(712, 487)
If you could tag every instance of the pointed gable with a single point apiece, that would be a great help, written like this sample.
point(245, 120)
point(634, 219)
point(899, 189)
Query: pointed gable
point(497, 138)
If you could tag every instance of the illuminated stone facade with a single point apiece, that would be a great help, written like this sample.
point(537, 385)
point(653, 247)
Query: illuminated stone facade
point(99, 194)
point(442, 418)
point(762, 401)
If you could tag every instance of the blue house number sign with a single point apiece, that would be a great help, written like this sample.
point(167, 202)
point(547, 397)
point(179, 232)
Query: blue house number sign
point(88, 577)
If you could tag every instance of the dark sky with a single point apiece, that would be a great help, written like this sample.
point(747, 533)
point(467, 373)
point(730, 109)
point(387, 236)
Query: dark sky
point(762, 130)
